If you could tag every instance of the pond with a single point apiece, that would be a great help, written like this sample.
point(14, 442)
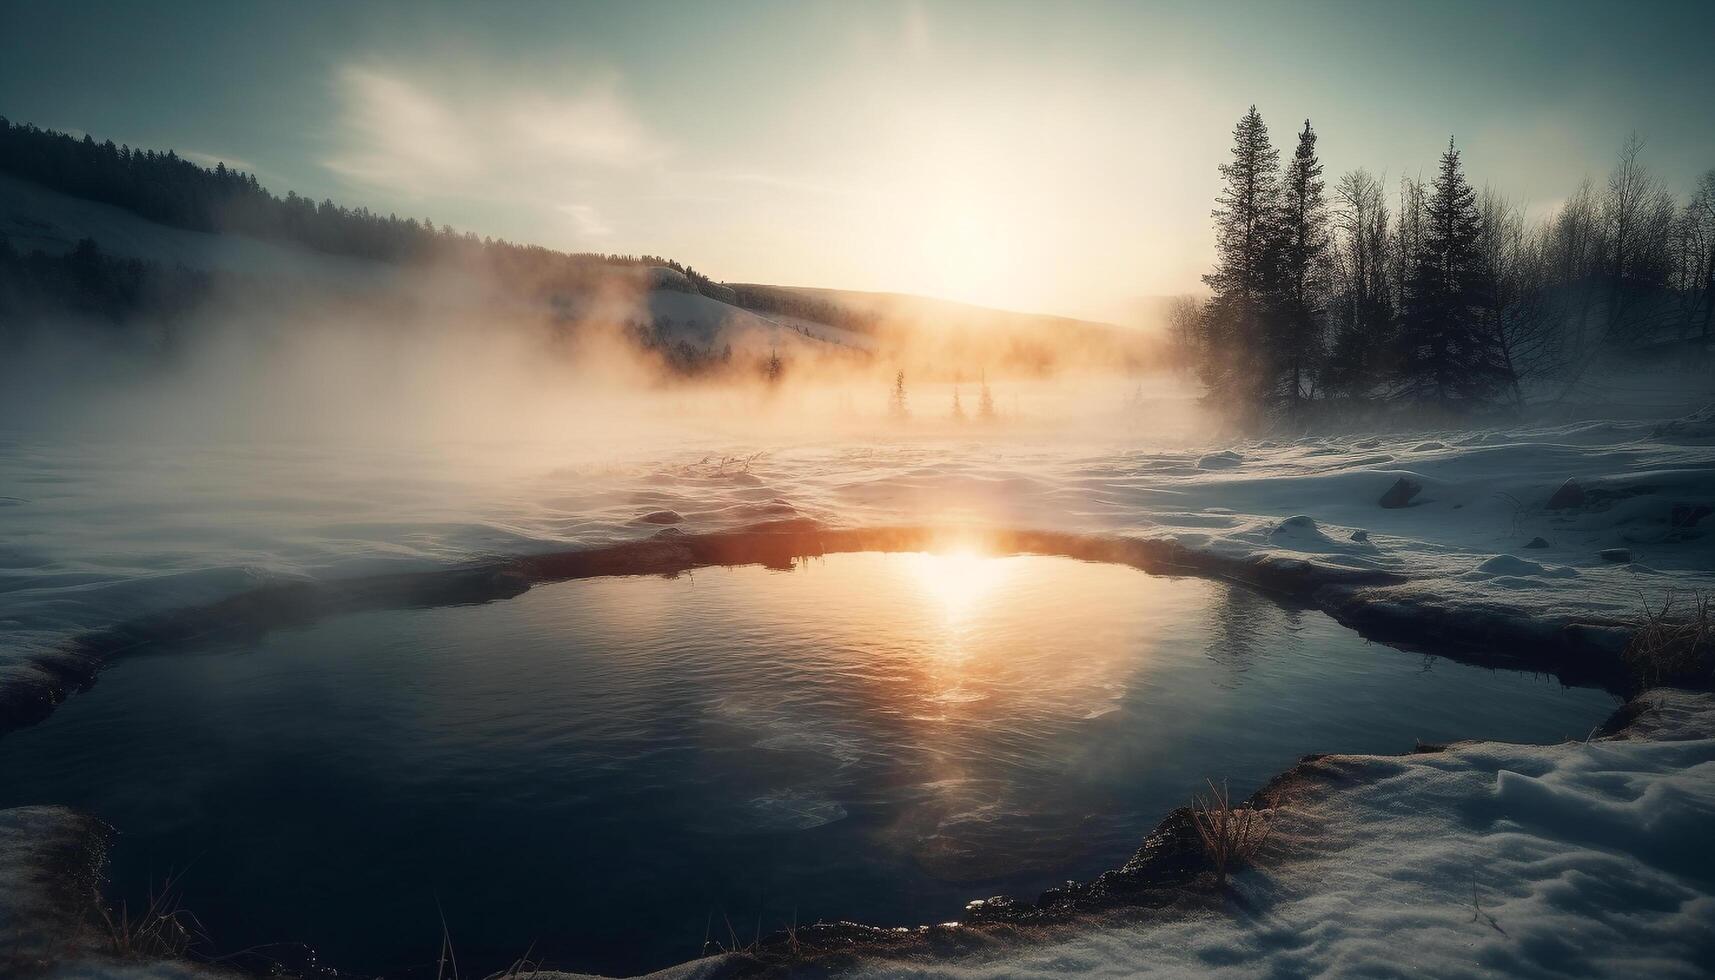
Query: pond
point(607, 772)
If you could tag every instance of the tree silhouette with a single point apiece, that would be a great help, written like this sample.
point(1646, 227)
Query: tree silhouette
point(1295, 334)
point(1445, 354)
point(1245, 242)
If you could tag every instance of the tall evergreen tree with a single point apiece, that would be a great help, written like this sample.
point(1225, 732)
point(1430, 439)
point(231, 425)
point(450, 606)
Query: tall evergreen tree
point(1445, 353)
point(985, 401)
point(1234, 367)
point(1302, 274)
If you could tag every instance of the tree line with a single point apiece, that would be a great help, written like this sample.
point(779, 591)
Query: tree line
point(1450, 298)
point(93, 284)
point(168, 189)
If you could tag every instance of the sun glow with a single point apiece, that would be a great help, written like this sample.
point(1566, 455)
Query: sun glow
point(956, 581)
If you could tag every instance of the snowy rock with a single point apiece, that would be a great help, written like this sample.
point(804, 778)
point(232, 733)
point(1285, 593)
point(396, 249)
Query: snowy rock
point(1509, 565)
point(1569, 496)
point(1400, 494)
point(661, 517)
point(1424, 447)
point(1367, 444)
point(1537, 542)
point(1225, 459)
point(1616, 555)
point(1360, 535)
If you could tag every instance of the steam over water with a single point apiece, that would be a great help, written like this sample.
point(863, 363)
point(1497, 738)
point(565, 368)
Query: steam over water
point(601, 769)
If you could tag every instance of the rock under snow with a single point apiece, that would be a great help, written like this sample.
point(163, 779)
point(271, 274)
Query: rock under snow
point(1568, 497)
point(1400, 494)
point(1225, 459)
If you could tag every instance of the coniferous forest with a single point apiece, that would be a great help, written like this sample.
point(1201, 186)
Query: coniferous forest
point(166, 188)
point(1434, 294)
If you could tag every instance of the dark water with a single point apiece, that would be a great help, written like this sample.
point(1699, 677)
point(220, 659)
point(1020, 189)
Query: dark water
point(610, 770)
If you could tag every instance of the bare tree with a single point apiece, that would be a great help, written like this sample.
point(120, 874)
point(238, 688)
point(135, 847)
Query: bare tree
point(1363, 303)
point(1694, 265)
point(1185, 332)
point(1515, 310)
point(1637, 215)
point(1408, 235)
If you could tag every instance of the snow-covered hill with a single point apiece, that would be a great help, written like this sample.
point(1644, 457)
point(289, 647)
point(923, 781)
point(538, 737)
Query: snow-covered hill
point(35, 218)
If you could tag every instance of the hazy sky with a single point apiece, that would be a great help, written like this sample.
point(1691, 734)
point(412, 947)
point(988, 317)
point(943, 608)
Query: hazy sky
point(1056, 157)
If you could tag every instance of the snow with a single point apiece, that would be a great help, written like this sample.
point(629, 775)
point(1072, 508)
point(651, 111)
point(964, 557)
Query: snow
point(92, 535)
point(49, 860)
point(1579, 859)
point(1578, 851)
point(33, 217)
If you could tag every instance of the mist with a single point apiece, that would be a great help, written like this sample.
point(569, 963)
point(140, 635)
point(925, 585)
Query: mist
point(452, 353)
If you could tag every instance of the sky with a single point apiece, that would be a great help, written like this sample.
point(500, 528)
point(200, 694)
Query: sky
point(1045, 157)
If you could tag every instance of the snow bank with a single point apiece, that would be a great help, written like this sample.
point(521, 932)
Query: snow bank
point(95, 537)
point(51, 860)
point(1580, 859)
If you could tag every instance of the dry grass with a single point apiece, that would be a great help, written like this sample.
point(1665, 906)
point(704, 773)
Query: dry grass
point(1673, 643)
point(1231, 835)
point(715, 467)
point(162, 930)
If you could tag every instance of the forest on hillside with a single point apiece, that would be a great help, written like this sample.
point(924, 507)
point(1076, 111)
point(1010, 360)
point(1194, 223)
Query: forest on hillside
point(1451, 298)
point(166, 188)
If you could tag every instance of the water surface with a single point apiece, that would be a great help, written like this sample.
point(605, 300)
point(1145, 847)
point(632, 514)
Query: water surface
point(611, 771)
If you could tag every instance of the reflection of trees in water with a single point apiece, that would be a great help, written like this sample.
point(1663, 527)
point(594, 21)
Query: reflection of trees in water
point(1247, 625)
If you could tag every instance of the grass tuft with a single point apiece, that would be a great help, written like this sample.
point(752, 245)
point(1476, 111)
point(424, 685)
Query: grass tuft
point(1231, 835)
point(164, 929)
point(1673, 643)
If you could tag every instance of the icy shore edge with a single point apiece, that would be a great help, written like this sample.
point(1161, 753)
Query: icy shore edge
point(1579, 648)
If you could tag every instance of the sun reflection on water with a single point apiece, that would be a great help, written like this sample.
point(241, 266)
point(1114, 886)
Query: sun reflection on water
point(956, 582)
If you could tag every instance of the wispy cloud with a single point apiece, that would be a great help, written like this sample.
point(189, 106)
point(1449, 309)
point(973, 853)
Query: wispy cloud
point(211, 159)
point(489, 140)
point(586, 220)
point(396, 135)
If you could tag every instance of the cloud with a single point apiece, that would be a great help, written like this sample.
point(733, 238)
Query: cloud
point(209, 160)
point(587, 221)
point(398, 136)
point(488, 139)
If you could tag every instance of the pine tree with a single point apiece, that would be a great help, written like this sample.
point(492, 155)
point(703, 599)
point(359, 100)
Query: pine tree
point(985, 401)
point(1301, 278)
point(1444, 351)
point(1234, 334)
point(896, 405)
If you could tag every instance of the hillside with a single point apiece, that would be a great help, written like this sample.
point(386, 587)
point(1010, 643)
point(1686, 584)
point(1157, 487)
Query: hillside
point(148, 213)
